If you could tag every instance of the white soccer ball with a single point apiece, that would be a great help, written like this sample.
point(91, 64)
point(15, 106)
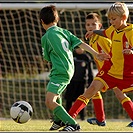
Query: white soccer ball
point(21, 112)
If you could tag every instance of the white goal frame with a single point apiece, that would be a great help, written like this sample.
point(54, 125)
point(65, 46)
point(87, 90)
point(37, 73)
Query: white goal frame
point(70, 5)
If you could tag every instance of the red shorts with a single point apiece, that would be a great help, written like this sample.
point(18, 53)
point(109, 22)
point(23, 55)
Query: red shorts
point(125, 84)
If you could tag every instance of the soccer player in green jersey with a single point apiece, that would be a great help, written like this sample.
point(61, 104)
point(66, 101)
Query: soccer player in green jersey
point(57, 47)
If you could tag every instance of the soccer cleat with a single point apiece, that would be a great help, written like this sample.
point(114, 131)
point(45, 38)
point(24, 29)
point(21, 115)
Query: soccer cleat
point(57, 125)
point(71, 128)
point(130, 124)
point(94, 121)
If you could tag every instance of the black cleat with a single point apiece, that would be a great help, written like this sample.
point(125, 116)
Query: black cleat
point(71, 128)
point(94, 121)
point(57, 125)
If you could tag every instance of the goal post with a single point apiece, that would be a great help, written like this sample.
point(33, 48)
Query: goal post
point(23, 72)
point(67, 5)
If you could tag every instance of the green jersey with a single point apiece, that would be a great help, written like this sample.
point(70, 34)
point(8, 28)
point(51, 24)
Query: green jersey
point(57, 46)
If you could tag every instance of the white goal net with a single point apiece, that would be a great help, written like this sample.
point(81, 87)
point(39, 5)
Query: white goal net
point(23, 73)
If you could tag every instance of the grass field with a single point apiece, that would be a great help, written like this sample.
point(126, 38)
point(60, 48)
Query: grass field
point(44, 125)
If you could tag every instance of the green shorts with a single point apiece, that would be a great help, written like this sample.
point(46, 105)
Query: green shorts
point(57, 86)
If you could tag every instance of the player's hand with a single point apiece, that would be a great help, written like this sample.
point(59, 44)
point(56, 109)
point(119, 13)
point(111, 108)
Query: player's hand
point(88, 34)
point(127, 51)
point(103, 56)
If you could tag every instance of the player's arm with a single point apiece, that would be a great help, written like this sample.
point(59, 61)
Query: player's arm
point(99, 56)
point(90, 33)
point(99, 32)
point(103, 32)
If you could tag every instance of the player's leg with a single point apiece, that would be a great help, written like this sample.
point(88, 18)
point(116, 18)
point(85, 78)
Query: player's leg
point(126, 103)
point(57, 123)
point(58, 110)
point(53, 92)
point(83, 100)
point(99, 111)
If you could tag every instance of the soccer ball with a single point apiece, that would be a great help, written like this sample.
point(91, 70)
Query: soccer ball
point(21, 112)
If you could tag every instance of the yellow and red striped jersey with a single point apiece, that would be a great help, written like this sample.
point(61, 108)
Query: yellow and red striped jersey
point(121, 64)
point(100, 43)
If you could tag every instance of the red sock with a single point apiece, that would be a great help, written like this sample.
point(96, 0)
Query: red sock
point(78, 105)
point(99, 109)
point(128, 106)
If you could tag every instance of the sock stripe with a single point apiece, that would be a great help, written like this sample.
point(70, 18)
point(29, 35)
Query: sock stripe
point(97, 96)
point(83, 99)
point(125, 100)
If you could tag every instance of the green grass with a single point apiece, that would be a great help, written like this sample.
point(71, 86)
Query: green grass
point(44, 125)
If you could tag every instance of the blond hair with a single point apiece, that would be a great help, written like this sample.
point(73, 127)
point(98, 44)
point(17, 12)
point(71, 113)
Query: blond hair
point(119, 9)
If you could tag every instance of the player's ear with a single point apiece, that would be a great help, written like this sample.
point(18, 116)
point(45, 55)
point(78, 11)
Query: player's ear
point(57, 18)
point(42, 21)
point(124, 17)
point(100, 25)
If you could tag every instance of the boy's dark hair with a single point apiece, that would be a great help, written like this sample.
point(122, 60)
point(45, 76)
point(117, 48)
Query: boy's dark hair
point(49, 14)
point(95, 16)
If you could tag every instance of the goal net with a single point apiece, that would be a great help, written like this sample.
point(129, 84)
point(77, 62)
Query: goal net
point(23, 72)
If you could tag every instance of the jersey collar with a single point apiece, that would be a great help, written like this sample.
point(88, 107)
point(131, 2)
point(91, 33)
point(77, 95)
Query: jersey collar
point(51, 27)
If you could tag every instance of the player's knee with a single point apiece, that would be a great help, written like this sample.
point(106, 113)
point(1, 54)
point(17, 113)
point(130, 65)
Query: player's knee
point(97, 95)
point(91, 91)
point(48, 104)
point(51, 104)
point(120, 96)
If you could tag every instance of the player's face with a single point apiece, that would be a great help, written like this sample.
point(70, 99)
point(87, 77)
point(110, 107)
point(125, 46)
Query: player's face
point(117, 22)
point(92, 24)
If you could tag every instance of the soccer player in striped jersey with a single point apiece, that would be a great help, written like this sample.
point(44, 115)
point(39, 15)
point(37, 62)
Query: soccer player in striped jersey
point(118, 71)
point(100, 44)
point(57, 47)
